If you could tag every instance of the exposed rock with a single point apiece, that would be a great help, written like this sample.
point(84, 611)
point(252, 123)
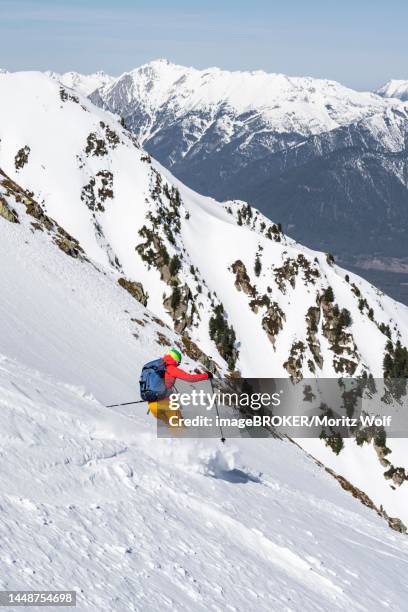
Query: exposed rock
point(274, 232)
point(67, 96)
point(195, 353)
point(158, 321)
point(312, 321)
point(68, 244)
point(290, 269)
point(286, 273)
point(397, 525)
point(295, 361)
point(139, 322)
point(397, 475)
point(162, 339)
point(242, 280)
point(135, 289)
point(7, 212)
point(272, 322)
point(335, 322)
point(394, 522)
point(154, 252)
point(98, 189)
point(258, 302)
point(179, 306)
point(382, 452)
point(21, 158)
point(111, 136)
point(96, 146)
point(61, 238)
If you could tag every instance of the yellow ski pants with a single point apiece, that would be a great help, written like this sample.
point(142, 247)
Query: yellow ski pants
point(161, 410)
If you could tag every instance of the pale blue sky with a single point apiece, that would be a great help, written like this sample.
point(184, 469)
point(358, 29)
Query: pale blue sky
point(361, 43)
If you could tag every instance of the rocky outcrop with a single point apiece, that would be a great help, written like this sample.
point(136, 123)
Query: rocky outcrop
point(335, 323)
point(196, 354)
point(295, 361)
point(135, 289)
point(242, 280)
point(98, 189)
point(66, 96)
point(394, 522)
point(7, 212)
point(179, 306)
point(21, 158)
point(291, 268)
point(272, 321)
point(95, 146)
point(67, 243)
point(312, 322)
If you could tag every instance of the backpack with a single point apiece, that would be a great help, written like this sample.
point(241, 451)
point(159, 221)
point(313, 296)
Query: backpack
point(152, 387)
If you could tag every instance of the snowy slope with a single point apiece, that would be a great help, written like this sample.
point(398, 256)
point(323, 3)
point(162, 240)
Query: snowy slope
point(113, 199)
point(396, 88)
point(91, 501)
point(78, 323)
point(84, 83)
point(127, 213)
point(89, 498)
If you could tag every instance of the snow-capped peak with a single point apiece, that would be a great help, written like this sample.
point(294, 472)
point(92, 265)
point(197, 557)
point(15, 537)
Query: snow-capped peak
point(303, 104)
point(395, 88)
point(84, 83)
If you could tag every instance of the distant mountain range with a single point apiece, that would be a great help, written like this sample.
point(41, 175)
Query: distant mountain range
point(84, 83)
point(328, 162)
point(394, 89)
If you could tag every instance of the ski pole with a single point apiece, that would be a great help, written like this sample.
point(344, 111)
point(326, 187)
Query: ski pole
point(125, 404)
point(218, 414)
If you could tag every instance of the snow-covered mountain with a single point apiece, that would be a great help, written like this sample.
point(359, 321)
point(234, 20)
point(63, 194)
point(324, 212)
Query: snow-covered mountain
point(90, 500)
point(396, 88)
point(160, 95)
point(340, 186)
point(108, 261)
point(207, 126)
point(84, 83)
point(196, 259)
point(236, 135)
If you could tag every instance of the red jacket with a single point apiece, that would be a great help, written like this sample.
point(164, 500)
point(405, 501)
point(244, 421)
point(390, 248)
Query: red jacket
point(173, 372)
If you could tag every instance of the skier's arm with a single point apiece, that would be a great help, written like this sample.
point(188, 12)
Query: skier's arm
point(176, 372)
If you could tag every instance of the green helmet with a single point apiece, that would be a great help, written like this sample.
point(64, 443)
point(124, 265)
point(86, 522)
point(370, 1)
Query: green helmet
point(175, 354)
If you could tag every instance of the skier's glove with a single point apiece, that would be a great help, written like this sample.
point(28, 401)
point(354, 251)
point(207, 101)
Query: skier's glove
point(210, 375)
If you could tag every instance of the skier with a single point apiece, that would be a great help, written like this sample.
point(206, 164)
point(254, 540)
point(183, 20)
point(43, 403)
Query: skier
point(160, 407)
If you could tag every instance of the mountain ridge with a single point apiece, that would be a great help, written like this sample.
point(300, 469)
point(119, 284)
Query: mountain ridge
point(395, 88)
point(226, 135)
